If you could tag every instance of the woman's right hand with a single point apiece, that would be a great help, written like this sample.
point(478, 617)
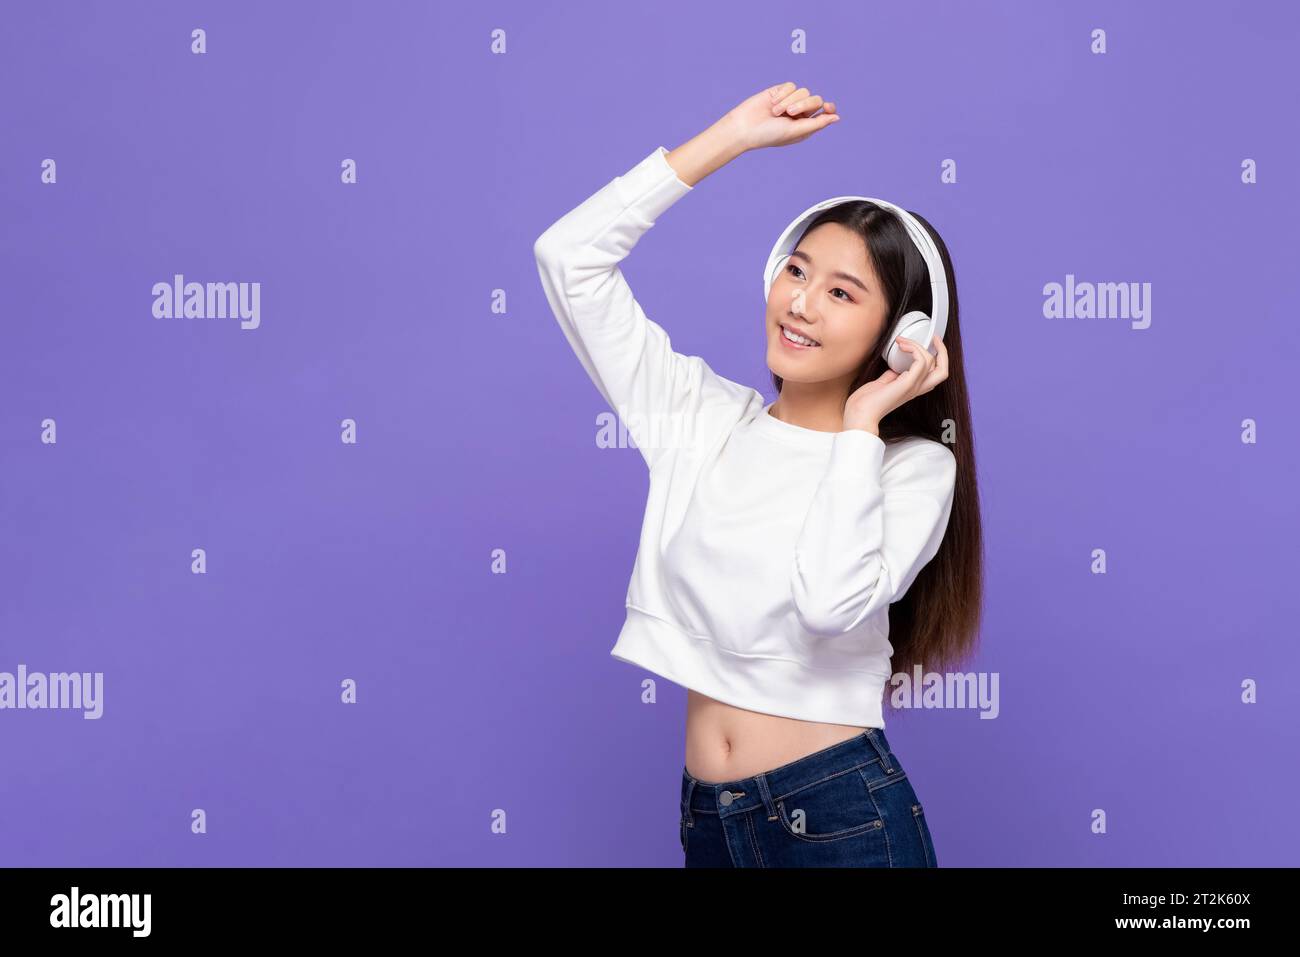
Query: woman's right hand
point(778, 116)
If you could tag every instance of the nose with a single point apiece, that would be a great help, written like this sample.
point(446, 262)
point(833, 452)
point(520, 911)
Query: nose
point(806, 321)
point(799, 306)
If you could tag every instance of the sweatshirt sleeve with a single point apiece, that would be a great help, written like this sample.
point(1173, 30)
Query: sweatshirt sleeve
point(628, 357)
point(869, 530)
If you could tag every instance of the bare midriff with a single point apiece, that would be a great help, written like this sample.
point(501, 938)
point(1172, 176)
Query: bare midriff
point(726, 743)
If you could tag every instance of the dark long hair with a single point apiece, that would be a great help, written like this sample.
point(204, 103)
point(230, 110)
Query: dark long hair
point(936, 623)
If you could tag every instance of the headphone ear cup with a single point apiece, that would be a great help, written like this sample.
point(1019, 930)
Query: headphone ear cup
point(912, 326)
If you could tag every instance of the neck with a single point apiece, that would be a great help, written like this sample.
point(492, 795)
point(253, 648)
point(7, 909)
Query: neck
point(818, 406)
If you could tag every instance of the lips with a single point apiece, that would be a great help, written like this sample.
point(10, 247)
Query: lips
point(796, 345)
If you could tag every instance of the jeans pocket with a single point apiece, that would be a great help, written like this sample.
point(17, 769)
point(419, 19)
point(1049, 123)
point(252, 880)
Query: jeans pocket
point(835, 808)
point(681, 832)
point(918, 815)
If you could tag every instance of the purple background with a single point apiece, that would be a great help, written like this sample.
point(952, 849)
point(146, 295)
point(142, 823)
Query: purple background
point(477, 430)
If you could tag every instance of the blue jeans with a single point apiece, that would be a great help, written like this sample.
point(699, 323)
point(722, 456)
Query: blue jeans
point(849, 805)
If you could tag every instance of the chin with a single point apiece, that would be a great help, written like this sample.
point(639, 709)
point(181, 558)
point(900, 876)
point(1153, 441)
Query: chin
point(788, 371)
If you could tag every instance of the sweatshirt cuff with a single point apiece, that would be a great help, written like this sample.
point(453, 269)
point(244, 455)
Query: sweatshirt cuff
point(856, 454)
point(651, 186)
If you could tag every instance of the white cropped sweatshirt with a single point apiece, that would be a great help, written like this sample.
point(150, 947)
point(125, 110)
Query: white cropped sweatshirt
point(769, 553)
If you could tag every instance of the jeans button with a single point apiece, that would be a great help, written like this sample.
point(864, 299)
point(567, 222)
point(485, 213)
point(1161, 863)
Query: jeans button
point(726, 798)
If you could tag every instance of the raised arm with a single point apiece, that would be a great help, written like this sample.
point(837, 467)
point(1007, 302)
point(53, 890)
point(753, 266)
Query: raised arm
point(658, 392)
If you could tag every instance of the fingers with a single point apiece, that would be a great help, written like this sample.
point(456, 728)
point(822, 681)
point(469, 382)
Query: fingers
point(922, 361)
point(940, 371)
point(806, 126)
point(927, 370)
point(804, 104)
point(908, 346)
point(779, 92)
point(787, 97)
point(941, 360)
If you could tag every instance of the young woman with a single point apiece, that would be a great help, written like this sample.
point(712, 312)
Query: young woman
point(793, 554)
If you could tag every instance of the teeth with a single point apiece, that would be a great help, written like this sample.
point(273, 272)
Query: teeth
point(795, 337)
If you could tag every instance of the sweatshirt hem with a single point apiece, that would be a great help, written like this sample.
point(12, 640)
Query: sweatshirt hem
point(776, 686)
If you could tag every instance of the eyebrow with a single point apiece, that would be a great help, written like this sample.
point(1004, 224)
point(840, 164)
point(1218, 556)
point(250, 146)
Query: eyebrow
point(838, 275)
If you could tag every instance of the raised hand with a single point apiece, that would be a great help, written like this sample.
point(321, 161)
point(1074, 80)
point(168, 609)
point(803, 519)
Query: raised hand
point(780, 115)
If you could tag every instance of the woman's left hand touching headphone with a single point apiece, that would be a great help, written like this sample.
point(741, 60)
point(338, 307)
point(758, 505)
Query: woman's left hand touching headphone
point(876, 399)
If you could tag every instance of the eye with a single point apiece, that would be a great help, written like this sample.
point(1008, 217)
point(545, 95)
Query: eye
point(798, 274)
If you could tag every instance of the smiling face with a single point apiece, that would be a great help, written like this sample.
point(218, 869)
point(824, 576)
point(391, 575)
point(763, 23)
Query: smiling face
point(827, 291)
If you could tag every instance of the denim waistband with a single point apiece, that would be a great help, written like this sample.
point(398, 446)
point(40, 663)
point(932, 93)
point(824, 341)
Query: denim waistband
point(868, 751)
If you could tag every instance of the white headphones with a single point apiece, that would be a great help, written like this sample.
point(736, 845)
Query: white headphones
point(915, 325)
